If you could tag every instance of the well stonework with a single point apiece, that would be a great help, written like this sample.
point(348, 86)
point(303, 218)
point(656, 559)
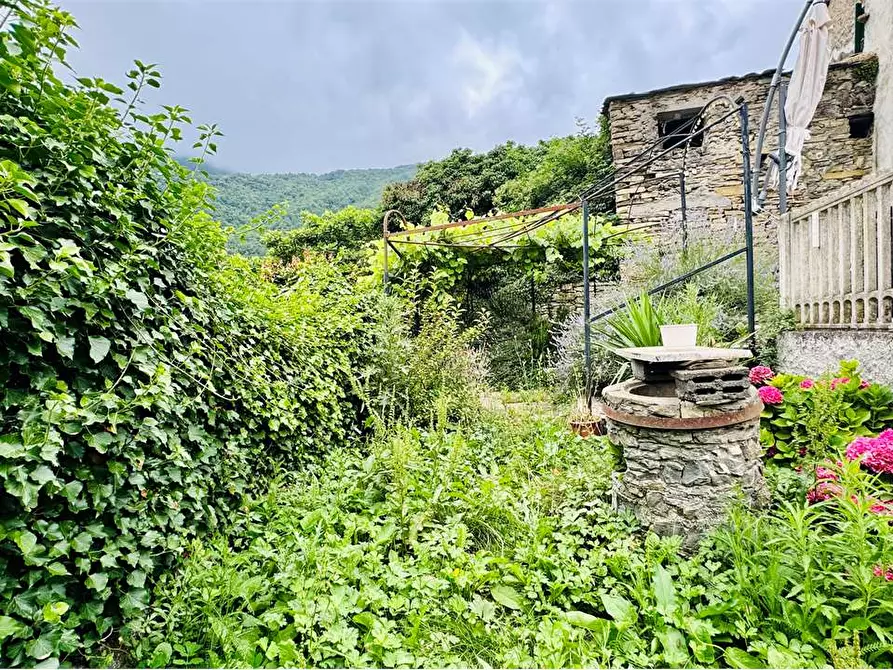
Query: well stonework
point(714, 190)
point(680, 478)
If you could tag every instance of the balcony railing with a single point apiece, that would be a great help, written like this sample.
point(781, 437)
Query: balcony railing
point(835, 262)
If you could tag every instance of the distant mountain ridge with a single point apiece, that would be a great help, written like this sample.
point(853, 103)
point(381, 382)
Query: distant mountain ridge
point(242, 196)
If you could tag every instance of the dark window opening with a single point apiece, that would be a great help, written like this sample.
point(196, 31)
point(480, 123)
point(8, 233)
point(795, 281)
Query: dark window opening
point(861, 125)
point(674, 127)
point(859, 46)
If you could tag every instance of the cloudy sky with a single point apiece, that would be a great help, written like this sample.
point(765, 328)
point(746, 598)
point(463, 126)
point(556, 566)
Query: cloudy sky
point(301, 86)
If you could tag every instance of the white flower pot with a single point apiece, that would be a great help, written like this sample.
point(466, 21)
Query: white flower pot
point(680, 335)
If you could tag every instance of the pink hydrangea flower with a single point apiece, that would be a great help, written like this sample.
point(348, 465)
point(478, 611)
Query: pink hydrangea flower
point(760, 374)
point(883, 572)
point(839, 381)
point(825, 473)
point(876, 453)
point(770, 395)
point(807, 384)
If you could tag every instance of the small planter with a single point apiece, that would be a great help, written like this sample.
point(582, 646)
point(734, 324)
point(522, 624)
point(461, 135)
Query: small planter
point(679, 336)
point(588, 427)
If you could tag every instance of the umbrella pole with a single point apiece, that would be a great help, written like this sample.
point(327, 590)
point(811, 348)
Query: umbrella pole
point(767, 108)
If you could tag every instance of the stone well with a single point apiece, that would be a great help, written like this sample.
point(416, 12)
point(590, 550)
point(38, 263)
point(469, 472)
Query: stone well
point(688, 426)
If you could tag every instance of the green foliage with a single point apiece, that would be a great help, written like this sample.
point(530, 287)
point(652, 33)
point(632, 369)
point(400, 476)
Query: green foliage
point(463, 180)
point(340, 236)
point(814, 422)
point(242, 197)
point(716, 299)
point(492, 546)
point(636, 325)
point(804, 578)
point(434, 375)
point(445, 270)
point(149, 380)
point(509, 177)
point(565, 167)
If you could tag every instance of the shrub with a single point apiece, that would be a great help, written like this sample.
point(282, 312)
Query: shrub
point(150, 380)
point(810, 419)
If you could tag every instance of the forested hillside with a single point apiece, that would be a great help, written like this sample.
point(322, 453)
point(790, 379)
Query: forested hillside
point(242, 197)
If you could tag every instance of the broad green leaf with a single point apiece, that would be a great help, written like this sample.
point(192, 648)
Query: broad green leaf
point(506, 596)
point(162, 656)
point(858, 623)
point(620, 609)
point(99, 348)
point(42, 474)
point(27, 542)
point(664, 592)
point(585, 620)
point(11, 447)
point(138, 298)
point(737, 658)
point(65, 345)
point(97, 581)
point(6, 266)
point(53, 612)
point(21, 207)
point(40, 648)
point(675, 650)
point(9, 626)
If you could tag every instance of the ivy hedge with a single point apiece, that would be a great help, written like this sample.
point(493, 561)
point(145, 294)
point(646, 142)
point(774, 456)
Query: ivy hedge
point(149, 380)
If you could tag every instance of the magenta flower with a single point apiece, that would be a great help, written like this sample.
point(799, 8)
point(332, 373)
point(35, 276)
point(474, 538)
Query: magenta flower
point(825, 473)
point(875, 453)
point(807, 384)
point(864, 384)
point(884, 508)
point(770, 395)
point(883, 572)
point(839, 381)
point(760, 374)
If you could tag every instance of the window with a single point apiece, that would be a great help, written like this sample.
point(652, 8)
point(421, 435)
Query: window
point(674, 127)
point(861, 17)
point(861, 125)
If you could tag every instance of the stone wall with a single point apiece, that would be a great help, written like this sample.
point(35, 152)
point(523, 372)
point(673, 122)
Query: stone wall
point(814, 352)
point(879, 40)
point(714, 189)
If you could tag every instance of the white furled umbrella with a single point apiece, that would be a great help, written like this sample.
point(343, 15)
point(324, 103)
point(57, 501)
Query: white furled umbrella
point(806, 88)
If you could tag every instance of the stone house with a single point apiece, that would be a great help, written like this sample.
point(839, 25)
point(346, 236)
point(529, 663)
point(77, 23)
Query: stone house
point(843, 146)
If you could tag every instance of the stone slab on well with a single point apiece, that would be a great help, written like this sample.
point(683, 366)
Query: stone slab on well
point(682, 355)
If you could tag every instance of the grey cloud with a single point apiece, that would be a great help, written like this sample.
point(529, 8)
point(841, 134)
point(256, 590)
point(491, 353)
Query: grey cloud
point(315, 86)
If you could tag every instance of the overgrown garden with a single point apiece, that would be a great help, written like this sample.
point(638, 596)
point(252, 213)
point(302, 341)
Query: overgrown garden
point(209, 460)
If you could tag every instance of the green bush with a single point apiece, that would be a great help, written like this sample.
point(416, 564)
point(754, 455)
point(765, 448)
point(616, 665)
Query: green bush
point(817, 418)
point(495, 546)
point(150, 381)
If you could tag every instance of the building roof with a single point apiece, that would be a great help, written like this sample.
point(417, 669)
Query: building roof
point(852, 61)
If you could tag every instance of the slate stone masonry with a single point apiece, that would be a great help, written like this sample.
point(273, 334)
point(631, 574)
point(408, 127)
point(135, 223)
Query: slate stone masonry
point(695, 450)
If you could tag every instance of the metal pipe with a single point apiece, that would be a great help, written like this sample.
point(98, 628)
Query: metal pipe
point(782, 150)
point(748, 222)
point(776, 79)
point(684, 211)
point(385, 245)
point(677, 280)
point(587, 330)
